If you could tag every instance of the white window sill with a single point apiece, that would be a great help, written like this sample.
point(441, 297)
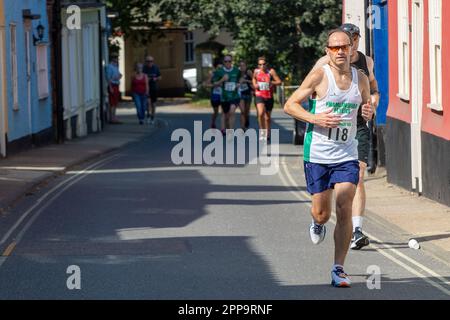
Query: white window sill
point(435, 106)
point(403, 96)
point(44, 96)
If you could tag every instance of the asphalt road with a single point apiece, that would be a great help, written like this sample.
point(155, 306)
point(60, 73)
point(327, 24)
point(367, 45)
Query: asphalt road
point(136, 226)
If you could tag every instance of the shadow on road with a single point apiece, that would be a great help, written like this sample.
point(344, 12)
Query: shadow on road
point(133, 236)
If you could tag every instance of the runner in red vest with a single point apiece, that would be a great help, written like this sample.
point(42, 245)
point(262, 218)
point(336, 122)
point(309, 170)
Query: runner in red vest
point(265, 79)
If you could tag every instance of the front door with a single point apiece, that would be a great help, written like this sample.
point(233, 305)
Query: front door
point(417, 98)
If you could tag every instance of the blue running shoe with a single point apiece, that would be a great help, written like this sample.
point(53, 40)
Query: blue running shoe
point(339, 278)
point(317, 232)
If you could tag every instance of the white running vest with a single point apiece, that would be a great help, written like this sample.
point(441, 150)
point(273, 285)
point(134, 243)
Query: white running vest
point(337, 145)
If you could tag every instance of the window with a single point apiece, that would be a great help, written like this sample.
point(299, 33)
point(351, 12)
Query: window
point(89, 70)
point(14, 80)
point(435, 22)
point(71, 80)
point(189, 47)
point(403, 50)
point(90, 63)
point(42, 71)
point(65, 67)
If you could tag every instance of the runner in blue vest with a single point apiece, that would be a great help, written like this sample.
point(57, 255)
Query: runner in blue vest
point(216, 91)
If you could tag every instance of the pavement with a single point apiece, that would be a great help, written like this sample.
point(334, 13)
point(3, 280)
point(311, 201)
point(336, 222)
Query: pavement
point(22, 173)
point(397, 210)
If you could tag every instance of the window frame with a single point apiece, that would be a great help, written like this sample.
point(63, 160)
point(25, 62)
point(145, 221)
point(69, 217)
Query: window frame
point(404, 72)
point(435, 47)
point(42, 70)
point(14, 67)
point(189, 51)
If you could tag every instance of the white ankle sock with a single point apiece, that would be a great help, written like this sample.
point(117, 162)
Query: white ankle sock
point(357, 222)
point(337, 266)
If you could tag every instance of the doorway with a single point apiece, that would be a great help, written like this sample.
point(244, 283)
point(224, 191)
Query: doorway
point(417, 93)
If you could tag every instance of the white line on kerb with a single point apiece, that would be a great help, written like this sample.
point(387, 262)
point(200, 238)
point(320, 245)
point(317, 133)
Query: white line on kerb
point(46, 195)
point(34, 168)
point(302, 195)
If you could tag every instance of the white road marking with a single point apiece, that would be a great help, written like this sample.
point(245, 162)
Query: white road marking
point(46, 195)
point(302, 195)
point(34, 168)
point(137, 170)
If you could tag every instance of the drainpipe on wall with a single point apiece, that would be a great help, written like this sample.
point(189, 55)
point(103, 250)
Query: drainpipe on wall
point(2, 96)
point(57, 68)
point(369, 31)
point(101, 60)
point(3, 113)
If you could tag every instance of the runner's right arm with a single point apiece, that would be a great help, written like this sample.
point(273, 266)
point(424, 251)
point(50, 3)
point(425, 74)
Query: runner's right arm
point(250, 82)
point(255, 81)
point(208, 83)
point(321, 62)
point(294, 108)
point(224, 79)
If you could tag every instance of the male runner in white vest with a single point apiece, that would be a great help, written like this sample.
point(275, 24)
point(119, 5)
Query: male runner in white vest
point(364, 63)
point(330, 147)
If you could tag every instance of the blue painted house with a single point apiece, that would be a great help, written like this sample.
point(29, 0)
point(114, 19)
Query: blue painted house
point(25, 88)
point(372, 18)
point(380, 45)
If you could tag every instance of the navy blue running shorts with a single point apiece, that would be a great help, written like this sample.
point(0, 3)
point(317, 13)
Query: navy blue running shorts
point(321, 177)
point(226, 105)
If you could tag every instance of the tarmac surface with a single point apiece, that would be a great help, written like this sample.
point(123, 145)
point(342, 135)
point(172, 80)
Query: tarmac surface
point(205, 230)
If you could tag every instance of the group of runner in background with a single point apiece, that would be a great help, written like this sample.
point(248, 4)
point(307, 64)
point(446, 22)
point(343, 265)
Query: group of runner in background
point(234, 88)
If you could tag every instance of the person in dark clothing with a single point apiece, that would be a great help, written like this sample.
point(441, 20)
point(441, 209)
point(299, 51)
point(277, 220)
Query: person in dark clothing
point(246, 94)
point(154, 76)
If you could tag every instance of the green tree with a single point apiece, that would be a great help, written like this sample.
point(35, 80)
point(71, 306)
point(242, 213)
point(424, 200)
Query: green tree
point(290, 33)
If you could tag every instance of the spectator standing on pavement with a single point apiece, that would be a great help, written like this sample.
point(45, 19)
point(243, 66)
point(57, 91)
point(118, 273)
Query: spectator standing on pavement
point(265, 79)
point(331, 148)
point(365, 64)
point(154, 75)
point(140, 91)
point(245, 92)
point(113, 77)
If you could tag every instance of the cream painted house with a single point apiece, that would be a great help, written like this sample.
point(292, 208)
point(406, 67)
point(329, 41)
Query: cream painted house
point(173, 54)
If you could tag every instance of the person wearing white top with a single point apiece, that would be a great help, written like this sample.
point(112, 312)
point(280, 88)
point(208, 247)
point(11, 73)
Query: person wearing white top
point(330, 149)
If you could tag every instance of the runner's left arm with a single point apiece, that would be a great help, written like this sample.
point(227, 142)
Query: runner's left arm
point(364, 87)
point(294, 108)
point(276, 79)
point(375, 94)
